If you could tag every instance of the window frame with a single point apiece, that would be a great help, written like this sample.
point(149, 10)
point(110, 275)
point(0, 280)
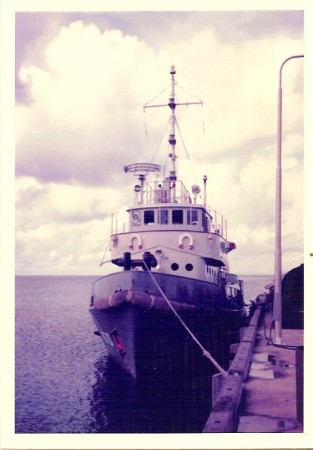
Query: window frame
point(175, 212)
point(147, 212)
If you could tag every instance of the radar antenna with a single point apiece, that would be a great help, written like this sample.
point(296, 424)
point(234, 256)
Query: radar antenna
point(142, 170)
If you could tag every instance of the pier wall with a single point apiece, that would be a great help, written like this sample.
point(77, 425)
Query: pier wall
point(223, 416)
point(263, 391)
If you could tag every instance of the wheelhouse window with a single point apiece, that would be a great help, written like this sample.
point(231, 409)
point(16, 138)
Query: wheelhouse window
point(177, 217)
point(206, 223)
point(163, 216)
point(148, 216)
point(192, 217)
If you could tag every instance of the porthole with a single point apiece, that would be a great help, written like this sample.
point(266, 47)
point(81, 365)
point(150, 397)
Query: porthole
point(174, 266)
point(136, 217)
point(189, 267)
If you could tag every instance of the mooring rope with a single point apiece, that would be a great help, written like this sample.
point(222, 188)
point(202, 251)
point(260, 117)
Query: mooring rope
point(205, 352)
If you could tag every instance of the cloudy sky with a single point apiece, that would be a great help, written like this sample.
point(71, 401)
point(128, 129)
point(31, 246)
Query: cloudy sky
point(81, 82)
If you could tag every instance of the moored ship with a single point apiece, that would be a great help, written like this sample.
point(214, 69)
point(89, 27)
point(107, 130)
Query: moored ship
point(173, 276)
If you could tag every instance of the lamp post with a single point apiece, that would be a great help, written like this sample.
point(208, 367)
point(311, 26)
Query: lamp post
point(277, 310)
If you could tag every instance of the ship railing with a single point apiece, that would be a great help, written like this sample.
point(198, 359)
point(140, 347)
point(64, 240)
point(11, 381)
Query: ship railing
point(161, 192)
point(219, 223)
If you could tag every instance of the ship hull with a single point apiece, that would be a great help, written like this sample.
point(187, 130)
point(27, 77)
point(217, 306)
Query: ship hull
point(176, 288)
point(151, 344)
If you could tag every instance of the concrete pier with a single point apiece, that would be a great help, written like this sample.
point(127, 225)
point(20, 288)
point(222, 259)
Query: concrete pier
point(263, 391)
point(272, 399)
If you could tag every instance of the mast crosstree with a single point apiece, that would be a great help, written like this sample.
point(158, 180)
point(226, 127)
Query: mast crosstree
point(173, 122)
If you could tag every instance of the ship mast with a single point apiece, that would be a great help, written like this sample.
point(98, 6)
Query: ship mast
point(172, 137)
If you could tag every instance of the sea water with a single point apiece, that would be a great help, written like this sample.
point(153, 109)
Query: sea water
point(64, 381)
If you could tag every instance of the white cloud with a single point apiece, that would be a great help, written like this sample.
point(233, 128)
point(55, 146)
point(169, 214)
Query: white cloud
point(85, 122)
point(63, 226)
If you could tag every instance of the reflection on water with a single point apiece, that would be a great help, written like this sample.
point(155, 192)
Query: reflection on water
point(119, 405)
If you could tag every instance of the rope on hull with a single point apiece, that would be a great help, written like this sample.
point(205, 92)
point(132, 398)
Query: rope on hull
point(162, 303)
point(206, 353)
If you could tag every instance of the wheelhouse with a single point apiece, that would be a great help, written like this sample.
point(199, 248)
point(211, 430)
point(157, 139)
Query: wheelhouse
point(171, 217)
